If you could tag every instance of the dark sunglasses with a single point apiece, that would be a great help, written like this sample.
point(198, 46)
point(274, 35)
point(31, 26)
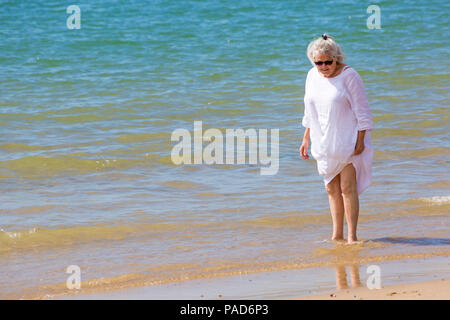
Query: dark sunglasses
point(327, 63)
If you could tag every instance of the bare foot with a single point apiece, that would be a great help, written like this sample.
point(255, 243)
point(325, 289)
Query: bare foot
point(353, 241)
point(338, 240)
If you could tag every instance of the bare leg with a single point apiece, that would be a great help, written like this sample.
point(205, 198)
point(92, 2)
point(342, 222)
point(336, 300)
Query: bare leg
point(336, 208)
point(351, 200)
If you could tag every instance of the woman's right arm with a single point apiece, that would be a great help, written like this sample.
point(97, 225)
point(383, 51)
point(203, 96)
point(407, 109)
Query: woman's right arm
point(306, 122)
point(305, 145)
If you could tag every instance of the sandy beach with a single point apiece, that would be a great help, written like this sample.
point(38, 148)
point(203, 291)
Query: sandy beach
point(419, 279)
point(429, 290)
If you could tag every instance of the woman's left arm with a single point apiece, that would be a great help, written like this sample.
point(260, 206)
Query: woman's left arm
point(361, 109)
point(359, 102)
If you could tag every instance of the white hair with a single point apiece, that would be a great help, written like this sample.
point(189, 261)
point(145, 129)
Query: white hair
point(326, 45)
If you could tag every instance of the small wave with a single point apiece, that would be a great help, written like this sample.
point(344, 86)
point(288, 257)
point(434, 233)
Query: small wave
point(208, 194)
point(80, 118)
point(38, 166)
point(29, 210)
point(413, 154)
point(143, 137)
point(400, 132)
point(15, 235)
point(342, 248)
point(37, 238)
point(13, 147)
point(182, 185)
point(438, 184)
point(436, 200)
point(292, 221)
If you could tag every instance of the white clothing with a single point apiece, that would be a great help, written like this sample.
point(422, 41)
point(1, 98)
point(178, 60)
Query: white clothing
point(335, 110)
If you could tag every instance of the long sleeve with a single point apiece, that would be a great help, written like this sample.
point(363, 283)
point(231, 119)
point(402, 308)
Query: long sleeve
point(359, 103)
point(306, 121)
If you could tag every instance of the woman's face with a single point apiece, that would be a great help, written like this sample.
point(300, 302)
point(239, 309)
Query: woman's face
point(325, 70)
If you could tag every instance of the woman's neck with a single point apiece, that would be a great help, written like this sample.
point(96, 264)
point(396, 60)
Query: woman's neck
point(337, 71)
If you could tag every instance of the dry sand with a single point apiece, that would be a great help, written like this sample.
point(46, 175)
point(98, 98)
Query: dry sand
point(431, 290)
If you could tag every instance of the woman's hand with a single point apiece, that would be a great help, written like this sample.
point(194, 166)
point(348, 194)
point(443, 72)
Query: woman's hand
point(359, 147)
point(305, 145)
point(304, 149)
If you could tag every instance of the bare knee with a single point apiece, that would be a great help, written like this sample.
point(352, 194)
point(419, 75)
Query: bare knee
point(348, 188)
point(333, 189)
point(348, 180)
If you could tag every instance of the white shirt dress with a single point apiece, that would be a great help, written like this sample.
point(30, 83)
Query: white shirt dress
point(335, 110)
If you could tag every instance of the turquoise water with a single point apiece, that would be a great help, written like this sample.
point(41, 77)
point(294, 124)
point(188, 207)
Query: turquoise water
point(86, 117)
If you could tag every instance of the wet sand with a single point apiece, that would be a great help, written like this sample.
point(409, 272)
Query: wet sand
point(424, 278)
point(429, 290)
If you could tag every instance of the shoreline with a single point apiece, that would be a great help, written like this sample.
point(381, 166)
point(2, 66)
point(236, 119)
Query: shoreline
point(400, 279)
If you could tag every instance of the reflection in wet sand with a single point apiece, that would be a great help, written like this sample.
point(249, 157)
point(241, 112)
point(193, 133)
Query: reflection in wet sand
point(346, 256)
point(341, 276)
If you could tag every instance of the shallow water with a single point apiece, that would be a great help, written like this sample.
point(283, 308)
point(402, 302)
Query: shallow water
point(87, 115)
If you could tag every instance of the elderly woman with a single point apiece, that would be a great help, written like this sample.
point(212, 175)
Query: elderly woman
point(337, 120)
